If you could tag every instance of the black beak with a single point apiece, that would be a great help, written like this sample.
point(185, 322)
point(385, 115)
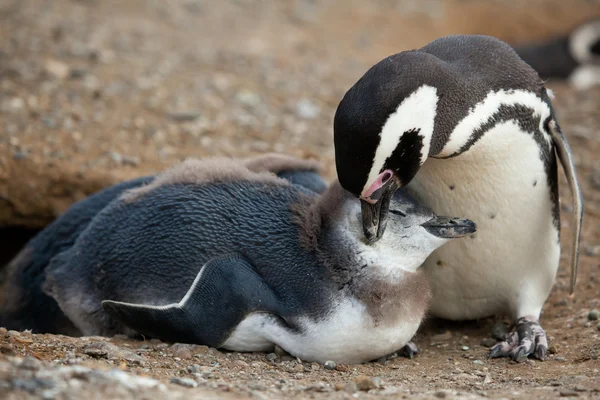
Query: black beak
point(449, 228)
point(374, 215)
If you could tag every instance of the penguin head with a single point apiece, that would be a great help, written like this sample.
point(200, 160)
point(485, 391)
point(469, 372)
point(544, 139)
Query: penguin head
point(382, 131)
point(413, 230)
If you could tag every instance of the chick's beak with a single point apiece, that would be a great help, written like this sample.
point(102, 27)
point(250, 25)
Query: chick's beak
point(375, 210)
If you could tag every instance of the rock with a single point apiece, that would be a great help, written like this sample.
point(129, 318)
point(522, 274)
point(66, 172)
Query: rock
point(56, 69)
point(593, 315)
point(366, 383)
point(306, 109)
point(280, 352)
point(111, 352)
point(182, 351)
point(559, 359)
point(499, 331)
point(488, 342)
point(465, 348)
point(591, 251)
point(441, 337)
point(478, 362)
point(568, 393)
point(350, 387)
point(329, 365)
point(186, 382)
point(10, 334)
point(30, 363)
point(241, 363)
point(248, 98)
point(7, 349)
point(341, 368)
point(78, 73)
point(184, 116)
point(272, 357)
point(194, 369)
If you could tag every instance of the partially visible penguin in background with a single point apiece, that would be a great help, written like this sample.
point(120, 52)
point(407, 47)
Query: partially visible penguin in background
point(574, 57)
point(211, 252)
point(23, 305)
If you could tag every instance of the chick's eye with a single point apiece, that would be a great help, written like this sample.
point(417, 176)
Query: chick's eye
point(398, 212)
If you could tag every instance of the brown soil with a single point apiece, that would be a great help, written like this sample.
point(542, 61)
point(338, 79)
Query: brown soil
point(94, 92)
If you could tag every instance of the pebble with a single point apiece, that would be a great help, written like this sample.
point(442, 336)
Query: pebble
point(306, 109)
point(184, 116)
point(240, 363)
point(478, 362)
point(499, 331)
point(12, 334)
point(111, 352)
point(350, 387)
point(247, 98)
point(7, 349)
point(330, 365)
point(559, 358)
point(442, 337)
point(590, 250)
point(56, 69)
point(598, 327)
point(568, 393)
point(30, 363)
point(488, 342)
point(272, 357)
point(465, 348)
point(280, 352)
point(186, 382)
point(181, 351)
point(366, 383)
point(593, 315)
point(194, 369)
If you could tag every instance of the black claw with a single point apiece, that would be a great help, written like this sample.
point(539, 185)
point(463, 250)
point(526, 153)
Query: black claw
point(520, 355)
point(496, 351)
point(540, 353)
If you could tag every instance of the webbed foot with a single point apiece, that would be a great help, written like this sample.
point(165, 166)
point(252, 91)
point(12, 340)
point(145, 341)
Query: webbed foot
point(527, 338)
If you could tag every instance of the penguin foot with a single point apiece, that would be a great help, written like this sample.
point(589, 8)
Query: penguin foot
point(527, 338)
point(409, 350)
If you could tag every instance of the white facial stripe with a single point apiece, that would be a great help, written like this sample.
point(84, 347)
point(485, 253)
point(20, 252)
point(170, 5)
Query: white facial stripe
point(581, 41)
point(416, 111)
point(482, 112)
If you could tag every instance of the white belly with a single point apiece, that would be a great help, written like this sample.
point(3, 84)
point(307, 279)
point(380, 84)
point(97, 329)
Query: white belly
point(510, 264)
point(348, 336)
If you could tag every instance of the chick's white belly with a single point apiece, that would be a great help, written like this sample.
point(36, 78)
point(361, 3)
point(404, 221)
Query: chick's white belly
point(510, 264)
point(348, 335)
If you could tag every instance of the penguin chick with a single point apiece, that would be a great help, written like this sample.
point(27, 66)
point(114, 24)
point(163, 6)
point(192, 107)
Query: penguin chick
point(23, 304)
point(468, 127)
point(575, 56)
point(246, 264)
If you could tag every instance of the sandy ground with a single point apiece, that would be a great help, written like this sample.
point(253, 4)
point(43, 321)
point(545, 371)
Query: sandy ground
point(94, 92)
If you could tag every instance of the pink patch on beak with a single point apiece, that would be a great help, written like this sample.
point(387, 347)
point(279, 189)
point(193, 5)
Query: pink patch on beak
point(381, 180)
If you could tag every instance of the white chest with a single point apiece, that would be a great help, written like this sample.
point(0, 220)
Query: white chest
point(510, 264)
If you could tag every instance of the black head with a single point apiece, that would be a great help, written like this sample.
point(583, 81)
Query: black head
point(405, 107)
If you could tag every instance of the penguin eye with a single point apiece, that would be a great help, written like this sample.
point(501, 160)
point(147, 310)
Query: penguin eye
point(398, 212)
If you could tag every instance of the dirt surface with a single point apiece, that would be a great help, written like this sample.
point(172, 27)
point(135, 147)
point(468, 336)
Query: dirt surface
point(94, 92)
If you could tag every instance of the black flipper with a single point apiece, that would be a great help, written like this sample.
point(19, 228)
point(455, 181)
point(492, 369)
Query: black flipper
point(225, 291)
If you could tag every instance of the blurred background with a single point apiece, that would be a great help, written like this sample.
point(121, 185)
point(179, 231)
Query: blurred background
point(96, 91)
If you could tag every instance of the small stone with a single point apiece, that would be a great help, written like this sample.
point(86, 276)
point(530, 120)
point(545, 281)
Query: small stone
point(181, 351)
point(240, 363)
point(194, 369)
point(441, 337)
point(478, 362)
point(440, 394)
point(131, 161)
point(560, 359)
point(339, 386)
point(553, 349)
point(465, 348)
point(591, 251)
point(272, 357)
point(488, 342)
point(185, 116)
point(78, 73)
point(7, 349)
point(595, 178)
point(306, 109)
point(280, 352)
point(30, 363)
point(593, 315)
point(588, 324)
point(19, 155)
point(116, 157)
point(341, 368)
point(568, 393)
point(186, 382)
point(350, 387)
point(499, 331)
point(365, 383)
point(247, 98)
point(56, 69)
point(12, 334)
point(598, 327)
point(329, 365)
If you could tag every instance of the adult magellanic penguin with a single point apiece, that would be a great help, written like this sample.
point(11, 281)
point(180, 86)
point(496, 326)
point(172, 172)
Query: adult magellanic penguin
point(468, 127)
point(212, 252)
